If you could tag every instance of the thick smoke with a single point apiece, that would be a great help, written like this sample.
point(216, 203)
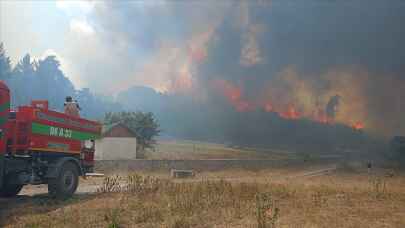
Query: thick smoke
point(154, 42)
point(221, 64)
point(299, 57)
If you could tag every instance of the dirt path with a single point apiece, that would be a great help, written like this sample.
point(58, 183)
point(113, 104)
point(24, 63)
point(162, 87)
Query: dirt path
point(315, 173)
point(90, 185)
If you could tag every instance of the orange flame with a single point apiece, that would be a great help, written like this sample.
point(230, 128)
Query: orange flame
point(234, 95)
point(321, 117)
point(291, 113)
point(358, 125)
point(268, 107)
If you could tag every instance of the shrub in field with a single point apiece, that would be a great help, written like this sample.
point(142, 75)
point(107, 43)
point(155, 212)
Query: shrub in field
point(266, 211)
point(149, 202)
point(112, 218)
point(144, 212)
point(110, 184)
point(185, 200)
point(378, 186)
point(318, 198)
point(180, 222)
point(142, 184)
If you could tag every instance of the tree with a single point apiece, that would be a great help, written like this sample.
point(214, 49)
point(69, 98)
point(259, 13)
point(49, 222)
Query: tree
point(53, 84)
point(22, 81)
point(5, 64)
point(95, 105)
point(33, 79)
point(143, 123)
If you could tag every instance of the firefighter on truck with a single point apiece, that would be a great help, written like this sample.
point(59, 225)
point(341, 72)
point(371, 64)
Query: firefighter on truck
point(42, 146)
point(71, 107)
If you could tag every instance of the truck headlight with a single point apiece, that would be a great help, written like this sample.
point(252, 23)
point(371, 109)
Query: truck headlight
point(89, 144)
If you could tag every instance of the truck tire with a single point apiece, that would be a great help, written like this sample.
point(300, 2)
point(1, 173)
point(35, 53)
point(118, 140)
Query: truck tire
point(10, 190)
point(65, 184)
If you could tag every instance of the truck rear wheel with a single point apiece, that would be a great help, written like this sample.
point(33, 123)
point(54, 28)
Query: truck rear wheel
point(10, 190)
point(65, 185)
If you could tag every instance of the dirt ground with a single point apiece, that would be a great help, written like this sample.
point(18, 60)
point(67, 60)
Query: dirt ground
point(91, 184)
point(364, 199)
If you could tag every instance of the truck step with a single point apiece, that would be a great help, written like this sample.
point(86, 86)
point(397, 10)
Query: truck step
point(94, 175)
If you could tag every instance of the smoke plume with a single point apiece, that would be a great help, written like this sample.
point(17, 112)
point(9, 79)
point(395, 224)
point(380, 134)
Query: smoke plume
point(327, 62)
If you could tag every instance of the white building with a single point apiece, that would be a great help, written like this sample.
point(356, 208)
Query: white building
point(118, 142)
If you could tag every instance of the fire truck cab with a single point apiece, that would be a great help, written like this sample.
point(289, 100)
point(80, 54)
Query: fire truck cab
point(41, 146)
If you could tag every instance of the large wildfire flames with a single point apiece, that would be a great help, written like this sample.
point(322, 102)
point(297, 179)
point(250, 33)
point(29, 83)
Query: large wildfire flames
point(215, 61)
point(280, 101)
point(250, 57)
point(235, 96)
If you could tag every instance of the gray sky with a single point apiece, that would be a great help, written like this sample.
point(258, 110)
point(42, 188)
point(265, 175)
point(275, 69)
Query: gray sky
point(42, 28)
point(99, 47)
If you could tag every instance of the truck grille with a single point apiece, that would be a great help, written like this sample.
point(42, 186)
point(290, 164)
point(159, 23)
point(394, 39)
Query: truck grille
point(22, 133)
point(22, 140)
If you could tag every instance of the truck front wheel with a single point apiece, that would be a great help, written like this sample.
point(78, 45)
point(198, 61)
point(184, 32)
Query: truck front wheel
point(10, 190)
point(65, 184)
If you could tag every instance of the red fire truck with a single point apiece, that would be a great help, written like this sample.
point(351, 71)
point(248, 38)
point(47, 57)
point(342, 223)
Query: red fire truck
point(41, 146)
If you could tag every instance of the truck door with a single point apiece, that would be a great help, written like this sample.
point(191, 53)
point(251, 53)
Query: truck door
point(4, 111)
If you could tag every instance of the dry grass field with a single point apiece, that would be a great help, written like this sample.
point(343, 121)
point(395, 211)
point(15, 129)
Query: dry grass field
point(186, 149)
point(237, 198)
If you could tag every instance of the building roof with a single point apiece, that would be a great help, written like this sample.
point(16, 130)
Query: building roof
point(108, 128)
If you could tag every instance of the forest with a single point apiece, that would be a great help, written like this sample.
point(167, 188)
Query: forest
point(33, 79)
